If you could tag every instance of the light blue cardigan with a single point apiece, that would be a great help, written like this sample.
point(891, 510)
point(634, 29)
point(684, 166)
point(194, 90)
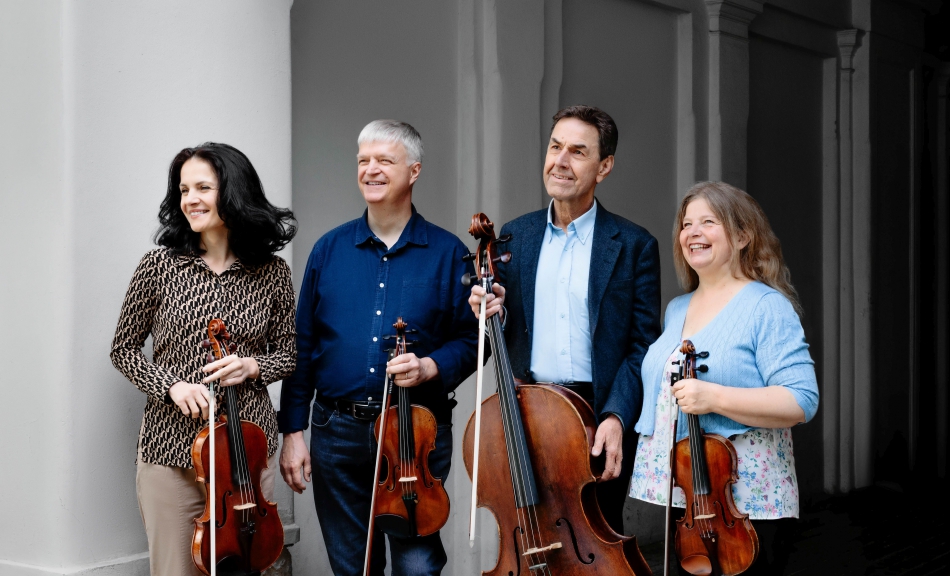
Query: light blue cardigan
point(756, 340)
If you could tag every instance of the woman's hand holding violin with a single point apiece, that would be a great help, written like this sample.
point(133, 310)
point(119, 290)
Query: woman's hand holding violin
point(769, 407)
point(696, 396)
point(232, 370)
point(191, 399)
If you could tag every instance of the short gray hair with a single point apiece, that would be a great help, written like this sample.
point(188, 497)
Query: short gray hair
point(394, 131)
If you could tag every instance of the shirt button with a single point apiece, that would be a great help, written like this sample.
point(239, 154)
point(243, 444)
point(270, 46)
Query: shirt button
point(562, 280)
point(385, 259)
point(378, 312)
point(370, 398)
point(381, 285)
point(373, 369)
point(563, 352)
point(562, 315)
point(374, 338)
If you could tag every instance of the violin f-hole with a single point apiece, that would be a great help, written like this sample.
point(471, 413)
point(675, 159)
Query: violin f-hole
point(224, 510)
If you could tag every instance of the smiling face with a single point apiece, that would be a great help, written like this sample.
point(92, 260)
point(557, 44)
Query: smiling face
point(199, 196)
point(703, 239)
point(383, 174)
point(572, 167)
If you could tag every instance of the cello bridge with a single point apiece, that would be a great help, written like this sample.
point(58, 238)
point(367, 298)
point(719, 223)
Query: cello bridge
point(704, 516)
point(554, 546)
point(408, 479)
point(245, 506)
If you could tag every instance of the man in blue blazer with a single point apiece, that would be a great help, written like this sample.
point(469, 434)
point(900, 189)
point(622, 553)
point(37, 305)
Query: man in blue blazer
point(582, 294)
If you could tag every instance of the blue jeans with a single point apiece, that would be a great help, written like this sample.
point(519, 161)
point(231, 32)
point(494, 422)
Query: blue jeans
point(343, 452)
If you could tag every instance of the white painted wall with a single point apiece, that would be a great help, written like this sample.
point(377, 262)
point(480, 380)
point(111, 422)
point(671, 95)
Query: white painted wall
point(96, 99)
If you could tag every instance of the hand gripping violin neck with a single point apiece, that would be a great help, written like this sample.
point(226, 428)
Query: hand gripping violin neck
point(713, 537)
point(536, 474)
point(247, 534)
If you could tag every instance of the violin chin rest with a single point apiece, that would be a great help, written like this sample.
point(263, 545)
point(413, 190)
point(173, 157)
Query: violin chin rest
point(697, 564)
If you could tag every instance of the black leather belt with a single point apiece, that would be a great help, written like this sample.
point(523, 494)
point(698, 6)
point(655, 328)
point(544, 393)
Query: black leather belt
point(584, 389)
point(366, 411)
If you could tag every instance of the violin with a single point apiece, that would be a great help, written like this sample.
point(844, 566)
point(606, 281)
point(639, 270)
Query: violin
point(713, 537)
point(407, 500)
point(534, 468)
point(248, 535)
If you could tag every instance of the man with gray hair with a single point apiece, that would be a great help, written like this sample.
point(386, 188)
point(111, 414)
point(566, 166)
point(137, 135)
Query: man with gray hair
point(360, 278)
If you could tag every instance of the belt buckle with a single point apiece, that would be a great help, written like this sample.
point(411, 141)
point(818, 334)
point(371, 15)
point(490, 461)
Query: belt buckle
point(363, 411)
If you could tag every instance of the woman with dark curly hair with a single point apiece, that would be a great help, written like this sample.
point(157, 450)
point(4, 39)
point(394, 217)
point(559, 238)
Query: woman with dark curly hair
point(219, 235)
point(741, 308)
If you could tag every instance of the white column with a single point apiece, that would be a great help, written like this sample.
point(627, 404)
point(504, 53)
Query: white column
point(97, 98)
point(729, 87)
point(839, 393)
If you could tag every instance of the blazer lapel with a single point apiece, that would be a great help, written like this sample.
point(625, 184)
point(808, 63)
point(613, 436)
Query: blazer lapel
point(531, 239)
point(605, 252)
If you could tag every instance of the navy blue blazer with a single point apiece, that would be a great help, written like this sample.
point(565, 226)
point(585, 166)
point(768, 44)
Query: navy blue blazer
point(623, 305)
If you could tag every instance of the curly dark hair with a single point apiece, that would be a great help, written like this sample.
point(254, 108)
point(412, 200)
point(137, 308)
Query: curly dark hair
point(256, 228)
point(606, 128)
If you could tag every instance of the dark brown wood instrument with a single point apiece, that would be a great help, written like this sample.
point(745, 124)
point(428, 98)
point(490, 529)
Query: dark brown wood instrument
point(407, 500)
point(248, 534)
point(713, 537)
point(536, 473)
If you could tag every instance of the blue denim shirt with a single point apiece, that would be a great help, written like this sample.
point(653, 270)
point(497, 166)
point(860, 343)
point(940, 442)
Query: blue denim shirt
point(354, 289)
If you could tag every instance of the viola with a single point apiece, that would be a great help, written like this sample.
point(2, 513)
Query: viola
point(713, 537)
point(535, 472)
point(248, 535)
point(407, 500)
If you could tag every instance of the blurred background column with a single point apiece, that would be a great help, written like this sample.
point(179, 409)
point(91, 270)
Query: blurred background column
point(96, 98)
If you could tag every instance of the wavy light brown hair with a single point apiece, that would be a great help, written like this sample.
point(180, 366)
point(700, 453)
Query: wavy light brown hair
point(741, 217)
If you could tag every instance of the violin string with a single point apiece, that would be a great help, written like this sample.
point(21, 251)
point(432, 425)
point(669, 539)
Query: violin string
point(246, 490)
point(505, 397)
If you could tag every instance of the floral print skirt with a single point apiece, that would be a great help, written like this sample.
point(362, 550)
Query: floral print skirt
point(767, 488)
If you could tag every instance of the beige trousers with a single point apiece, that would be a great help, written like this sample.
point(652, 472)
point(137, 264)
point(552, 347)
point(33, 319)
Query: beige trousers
point(170, 499)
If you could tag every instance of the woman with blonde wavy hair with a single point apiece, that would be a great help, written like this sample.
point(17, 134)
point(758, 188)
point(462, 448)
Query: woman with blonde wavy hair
point(741, 308)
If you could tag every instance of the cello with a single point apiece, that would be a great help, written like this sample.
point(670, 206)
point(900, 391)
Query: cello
point(536, 475)
point(407, 500)
point(248, 535)
point(713, 537)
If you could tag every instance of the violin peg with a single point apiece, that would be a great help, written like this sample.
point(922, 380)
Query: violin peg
point(702, 368)
point(467, 279)
point(206, 343)
point(468, 257)
point(232, 348)
point(504, 238)
point(209, 358)
point(703, 355)
point(503, 258)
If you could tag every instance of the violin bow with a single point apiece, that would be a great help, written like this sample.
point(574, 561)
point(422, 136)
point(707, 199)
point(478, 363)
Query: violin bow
point(214, 526)
point(674, 409)
point(479, 373)
point(390, 382)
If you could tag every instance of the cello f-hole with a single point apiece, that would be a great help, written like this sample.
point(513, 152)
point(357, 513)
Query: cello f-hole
point(590, 556)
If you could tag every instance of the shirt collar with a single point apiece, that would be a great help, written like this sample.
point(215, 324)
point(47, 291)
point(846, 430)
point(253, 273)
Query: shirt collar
point(414, 232)
point(193, 258)
point(582, 225)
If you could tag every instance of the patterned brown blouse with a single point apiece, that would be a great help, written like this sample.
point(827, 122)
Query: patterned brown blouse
point(173, 298)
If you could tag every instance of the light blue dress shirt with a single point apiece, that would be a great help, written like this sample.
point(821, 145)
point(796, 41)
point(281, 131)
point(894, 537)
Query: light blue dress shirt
point(561, 343)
